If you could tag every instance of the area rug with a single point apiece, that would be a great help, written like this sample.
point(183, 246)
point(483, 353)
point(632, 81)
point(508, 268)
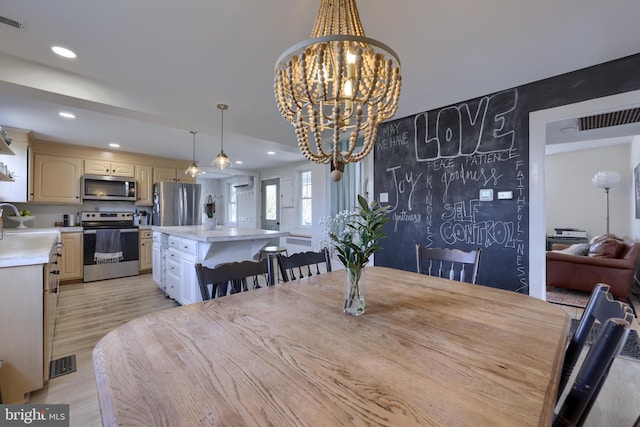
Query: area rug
point(573, 298)
point(631, 346)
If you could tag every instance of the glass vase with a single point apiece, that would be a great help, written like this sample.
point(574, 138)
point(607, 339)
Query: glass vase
point(354, 291)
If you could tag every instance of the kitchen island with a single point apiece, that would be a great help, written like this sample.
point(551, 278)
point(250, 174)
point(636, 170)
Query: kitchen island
point(176, 250)
point(29, 273)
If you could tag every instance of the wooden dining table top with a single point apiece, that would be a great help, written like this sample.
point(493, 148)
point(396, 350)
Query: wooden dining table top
point(427, 352)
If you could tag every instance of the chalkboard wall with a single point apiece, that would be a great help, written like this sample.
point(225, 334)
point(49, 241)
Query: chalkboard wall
point(430, 169)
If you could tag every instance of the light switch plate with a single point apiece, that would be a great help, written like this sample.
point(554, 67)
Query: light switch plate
point(384, 197)
point(505, 195)
point(486, 194)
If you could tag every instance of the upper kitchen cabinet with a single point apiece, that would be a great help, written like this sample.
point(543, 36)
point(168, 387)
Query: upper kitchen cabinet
point(144, 180)
point(56, 179)
point(103, 167)
point(171, 174)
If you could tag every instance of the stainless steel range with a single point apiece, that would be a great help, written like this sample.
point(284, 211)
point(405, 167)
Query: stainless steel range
point(110, 245)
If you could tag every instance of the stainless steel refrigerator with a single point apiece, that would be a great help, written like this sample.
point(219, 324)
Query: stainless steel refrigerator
point(176, 203)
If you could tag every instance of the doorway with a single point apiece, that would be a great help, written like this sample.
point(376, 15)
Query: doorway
point(270, 209)
point(537, 212)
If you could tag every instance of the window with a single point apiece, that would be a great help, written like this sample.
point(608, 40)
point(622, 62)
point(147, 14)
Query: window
point(271, 202)
point(233, 204)
point(344, 193)
point(305, 198)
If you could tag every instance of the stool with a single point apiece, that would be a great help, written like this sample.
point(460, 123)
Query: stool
point(273, 250)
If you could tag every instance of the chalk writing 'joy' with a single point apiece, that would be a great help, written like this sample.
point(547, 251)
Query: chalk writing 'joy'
point(400, 186)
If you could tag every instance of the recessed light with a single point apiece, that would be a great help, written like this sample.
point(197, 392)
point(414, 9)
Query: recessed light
point(66, 115)
point(64, 52)
point(114, 145)
point(569, 129)
point(238, 162)
point(271, 153)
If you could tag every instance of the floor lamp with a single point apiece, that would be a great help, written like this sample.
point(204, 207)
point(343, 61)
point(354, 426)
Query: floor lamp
point(606, 180)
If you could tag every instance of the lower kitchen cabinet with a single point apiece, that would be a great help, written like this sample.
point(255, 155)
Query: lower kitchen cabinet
point(159, 269)
point(146, 250)
point(28, 304)
point(181, 258)
point(71, 261)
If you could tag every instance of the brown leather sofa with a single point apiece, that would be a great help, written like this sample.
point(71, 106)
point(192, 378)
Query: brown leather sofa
point(583, 272)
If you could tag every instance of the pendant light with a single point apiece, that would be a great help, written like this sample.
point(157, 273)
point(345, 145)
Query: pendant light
point(222, 161)
point(193, 169)
point(337, 87)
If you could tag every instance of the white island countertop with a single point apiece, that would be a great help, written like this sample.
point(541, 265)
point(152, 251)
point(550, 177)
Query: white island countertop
point(17, 249)
point(221, 234)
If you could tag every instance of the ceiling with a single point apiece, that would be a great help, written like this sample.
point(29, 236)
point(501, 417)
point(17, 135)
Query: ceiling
point(148, 71)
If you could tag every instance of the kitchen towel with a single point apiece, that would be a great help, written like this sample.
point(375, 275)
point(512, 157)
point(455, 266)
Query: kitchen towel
point(107, 247)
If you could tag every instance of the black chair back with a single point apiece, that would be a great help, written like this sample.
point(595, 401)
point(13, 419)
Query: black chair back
point(593, 372)
point(601, 306)
point(452, 264)
point(302, 261)
point(235, 275)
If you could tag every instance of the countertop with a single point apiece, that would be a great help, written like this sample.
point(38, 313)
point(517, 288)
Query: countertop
point(27, 248)
point(15, 230)
point(221, 234)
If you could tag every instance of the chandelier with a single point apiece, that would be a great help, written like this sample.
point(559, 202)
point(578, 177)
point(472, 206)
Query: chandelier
point(193, 169)
point(221, 161)
point(338, 84)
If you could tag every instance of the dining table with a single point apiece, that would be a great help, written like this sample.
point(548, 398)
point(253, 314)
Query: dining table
point(426, 352)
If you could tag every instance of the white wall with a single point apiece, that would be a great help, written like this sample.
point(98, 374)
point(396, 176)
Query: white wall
point(574, 202)
point(290, 212)
point(634, 157)
point(215, 188)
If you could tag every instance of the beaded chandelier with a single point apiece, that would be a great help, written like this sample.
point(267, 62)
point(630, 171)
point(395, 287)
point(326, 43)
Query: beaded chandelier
point(339, 84)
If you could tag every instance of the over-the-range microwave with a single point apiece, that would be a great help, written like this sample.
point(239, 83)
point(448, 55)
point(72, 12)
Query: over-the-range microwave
point(105, 187)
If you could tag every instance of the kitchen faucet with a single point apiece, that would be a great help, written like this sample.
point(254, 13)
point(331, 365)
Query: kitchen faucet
point(1, 225)
point(14, 209)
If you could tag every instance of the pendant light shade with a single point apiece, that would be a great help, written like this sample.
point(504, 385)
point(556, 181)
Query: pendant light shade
point(193, 169)
point(222, 161)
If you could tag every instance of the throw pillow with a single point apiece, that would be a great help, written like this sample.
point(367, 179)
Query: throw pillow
point(606, 246)
point(576, 249)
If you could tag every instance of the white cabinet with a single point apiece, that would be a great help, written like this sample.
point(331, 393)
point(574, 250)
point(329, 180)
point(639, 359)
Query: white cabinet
point(189, 292)
point(158, 271)
point(181, 258)
point(174, 274)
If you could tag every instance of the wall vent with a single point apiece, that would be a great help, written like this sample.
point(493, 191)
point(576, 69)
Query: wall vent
point(614, 118)
point(243, 182)
point(11, 22)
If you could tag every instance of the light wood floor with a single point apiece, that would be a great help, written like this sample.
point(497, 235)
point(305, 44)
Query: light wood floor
point(88, 311)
